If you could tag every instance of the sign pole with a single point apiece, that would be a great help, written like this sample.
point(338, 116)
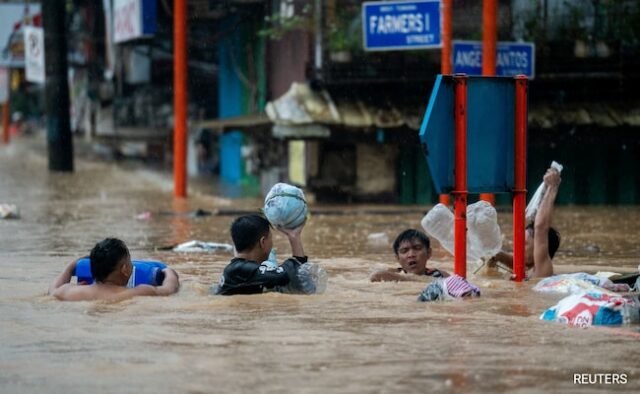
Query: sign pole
point(489, 38)
point(460, 192)
point(445, 60)
point(520, 175)
point(180, 98)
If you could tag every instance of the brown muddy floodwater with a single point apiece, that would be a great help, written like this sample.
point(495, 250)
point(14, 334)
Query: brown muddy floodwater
point(358, 337)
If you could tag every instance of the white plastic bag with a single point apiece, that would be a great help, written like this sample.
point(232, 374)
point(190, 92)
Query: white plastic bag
point(484, 238)
point(534, 204)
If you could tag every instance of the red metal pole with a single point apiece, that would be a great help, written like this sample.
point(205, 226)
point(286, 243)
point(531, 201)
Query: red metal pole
point(5, 122)
point(520, 177)
point(489, 38)
point(445, 60)
point(460, 192)
point(180, 97)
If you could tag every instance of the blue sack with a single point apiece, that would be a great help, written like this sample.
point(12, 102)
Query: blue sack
point(144, 272)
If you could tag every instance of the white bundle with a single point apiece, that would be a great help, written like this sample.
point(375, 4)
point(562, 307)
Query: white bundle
point(484, 238)
point(285, 206)
point(534, 204)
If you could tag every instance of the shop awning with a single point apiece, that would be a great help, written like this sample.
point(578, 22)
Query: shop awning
point(301, 105)
point(244, 122)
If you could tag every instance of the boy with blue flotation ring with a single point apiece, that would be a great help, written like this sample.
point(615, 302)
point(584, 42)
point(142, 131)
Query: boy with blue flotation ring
point(114, 275)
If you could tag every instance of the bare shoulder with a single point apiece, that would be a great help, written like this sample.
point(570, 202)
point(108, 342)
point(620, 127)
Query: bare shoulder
point(73, 292)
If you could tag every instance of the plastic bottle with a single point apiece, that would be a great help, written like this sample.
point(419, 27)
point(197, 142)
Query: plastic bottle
point(272, 260)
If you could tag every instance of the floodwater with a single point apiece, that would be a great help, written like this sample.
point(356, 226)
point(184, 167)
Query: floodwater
point(358, 337)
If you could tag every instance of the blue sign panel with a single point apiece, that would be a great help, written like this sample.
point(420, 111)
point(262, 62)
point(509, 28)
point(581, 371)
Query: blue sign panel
point(401, 25)
point(490, 134)
point(513, 58)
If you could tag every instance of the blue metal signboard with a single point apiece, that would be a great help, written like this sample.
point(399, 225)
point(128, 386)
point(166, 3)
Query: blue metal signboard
point(512, 58)
point(490, 134)
point(401, 25)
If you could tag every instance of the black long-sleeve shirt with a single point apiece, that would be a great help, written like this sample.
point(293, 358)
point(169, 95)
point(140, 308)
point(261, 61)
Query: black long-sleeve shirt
point(242, 276)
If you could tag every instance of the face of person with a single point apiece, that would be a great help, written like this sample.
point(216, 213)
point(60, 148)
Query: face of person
point(413, 255)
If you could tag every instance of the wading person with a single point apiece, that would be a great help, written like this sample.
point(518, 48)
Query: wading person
point(412, 249)
point(111, 268)
point(541, 240)
point(251, 235)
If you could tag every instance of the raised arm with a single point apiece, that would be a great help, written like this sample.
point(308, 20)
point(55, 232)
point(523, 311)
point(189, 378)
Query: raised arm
point(542, 223)
point(295, 239)
point(64, 278)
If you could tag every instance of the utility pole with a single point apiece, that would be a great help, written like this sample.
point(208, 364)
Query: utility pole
point(446, 67)
point(489, 41)
point(180, 98)
point(59, 141)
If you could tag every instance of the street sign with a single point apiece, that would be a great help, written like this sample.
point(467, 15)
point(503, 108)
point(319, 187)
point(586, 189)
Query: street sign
point(512, 58)
point(133, 19)
point(401, 25)
point(490, 134)
point(34, 54)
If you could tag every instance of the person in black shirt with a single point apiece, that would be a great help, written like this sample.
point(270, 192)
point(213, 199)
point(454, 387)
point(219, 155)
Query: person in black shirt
point(251, 235)
point(412, 249)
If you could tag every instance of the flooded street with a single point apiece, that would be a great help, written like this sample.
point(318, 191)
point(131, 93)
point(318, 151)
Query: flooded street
point(358, 337)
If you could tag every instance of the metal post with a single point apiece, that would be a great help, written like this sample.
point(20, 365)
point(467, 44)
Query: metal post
point(5, 122)
point(460, 192)
point(520, 174)
point(489, 37)
point(445, 59)
point(59, 141)
point(180, 97)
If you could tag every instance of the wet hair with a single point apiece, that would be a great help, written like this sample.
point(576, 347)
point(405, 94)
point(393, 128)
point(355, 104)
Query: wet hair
point(105, 257)
point(247, 230)
point(408, 235)
point(553, 240)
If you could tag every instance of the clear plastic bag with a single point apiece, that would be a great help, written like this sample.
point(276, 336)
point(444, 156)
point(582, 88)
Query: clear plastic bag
point(311, 279)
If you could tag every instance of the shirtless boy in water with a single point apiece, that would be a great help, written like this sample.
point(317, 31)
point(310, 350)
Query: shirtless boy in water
point(541, 240)
point(111, 268)
point(412, 249)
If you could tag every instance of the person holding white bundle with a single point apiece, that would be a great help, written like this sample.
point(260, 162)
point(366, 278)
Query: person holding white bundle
point(541, 240)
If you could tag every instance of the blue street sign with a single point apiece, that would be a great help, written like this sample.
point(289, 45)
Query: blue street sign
point(490, 134)
point(513, 58)
point(401, 25)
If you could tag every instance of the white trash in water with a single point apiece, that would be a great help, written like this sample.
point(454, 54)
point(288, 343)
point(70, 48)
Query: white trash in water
point(378, 239)
point(201, 246)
